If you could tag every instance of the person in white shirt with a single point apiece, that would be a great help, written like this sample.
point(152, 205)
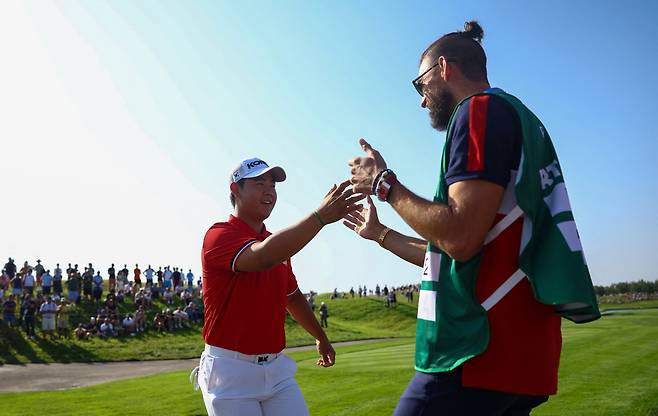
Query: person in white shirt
point(48, 310)
point(107, 329)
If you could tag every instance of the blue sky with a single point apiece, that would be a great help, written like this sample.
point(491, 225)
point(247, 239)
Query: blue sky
point(124, 118)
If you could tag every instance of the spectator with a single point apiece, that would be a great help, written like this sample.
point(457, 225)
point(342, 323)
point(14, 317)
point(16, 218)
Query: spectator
point(10, 268)
point(191, 312)
point(91, 269)
point(175, 277)
point(140, 320)
point(48, 311)
point(28, 282)
point(378, 291)
point(87, 283)
point(352, 292)
point(9, 311)
point(123, 274)
point(190, 278)
point(81, 332)
point(129, 324)
point(92, 327)
point(159, 322)
point(17, 285)
point(180, 318)
point(97, 290)
point(324, 314)
point(63, 318)
point(167, 277)
point(73, 286)
point(149, 275)
point(39, 270)
point(111, 278)
point(4, 282)
point(138, 273)
point(46, 282)
point(29, 311)
point(169, 296)
point(57, 281)
point(160, 273)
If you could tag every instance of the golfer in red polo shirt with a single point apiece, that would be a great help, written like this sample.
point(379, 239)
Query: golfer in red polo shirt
point(248, 284)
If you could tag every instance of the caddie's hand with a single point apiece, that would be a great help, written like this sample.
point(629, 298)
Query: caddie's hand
point(365, 168)
point(365, 222)
point(339, 202)
point(327, 353)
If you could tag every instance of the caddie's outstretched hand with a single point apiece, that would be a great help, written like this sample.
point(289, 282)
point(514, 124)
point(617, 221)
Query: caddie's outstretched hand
point(365, 168)
point(339, 202)
point(365, 222)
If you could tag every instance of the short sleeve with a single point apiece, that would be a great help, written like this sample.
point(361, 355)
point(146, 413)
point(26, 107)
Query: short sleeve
point(292, 285)
point(222, 246)
point(485, 142)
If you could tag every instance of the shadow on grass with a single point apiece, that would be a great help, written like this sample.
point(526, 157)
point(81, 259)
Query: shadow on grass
point(13, 344)
point(63, 351)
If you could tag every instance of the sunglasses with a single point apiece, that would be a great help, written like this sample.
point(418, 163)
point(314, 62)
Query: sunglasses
point(419, 85)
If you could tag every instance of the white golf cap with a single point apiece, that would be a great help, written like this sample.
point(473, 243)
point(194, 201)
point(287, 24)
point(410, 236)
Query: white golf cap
point(254, 167)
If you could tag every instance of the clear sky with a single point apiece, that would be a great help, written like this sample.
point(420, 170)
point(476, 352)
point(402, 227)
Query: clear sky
point(121, 120)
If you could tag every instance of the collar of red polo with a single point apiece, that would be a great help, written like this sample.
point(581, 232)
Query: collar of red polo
point(233, 220)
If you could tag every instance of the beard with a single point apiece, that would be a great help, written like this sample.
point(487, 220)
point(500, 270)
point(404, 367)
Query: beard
point(440, 108)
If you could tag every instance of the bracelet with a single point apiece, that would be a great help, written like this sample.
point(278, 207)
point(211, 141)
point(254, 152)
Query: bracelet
point(382, 236)
point(317, 217)
point(384, 185)
point(376, 180)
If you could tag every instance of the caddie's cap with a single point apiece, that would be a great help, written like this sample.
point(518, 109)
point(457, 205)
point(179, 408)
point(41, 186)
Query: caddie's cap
point(252, 168)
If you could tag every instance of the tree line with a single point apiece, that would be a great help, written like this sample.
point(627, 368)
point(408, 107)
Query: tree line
point(640, 286)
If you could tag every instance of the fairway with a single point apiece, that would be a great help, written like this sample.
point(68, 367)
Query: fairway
point(608, 367)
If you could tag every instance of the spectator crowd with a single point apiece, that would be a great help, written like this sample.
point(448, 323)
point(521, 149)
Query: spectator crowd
point(119, 303)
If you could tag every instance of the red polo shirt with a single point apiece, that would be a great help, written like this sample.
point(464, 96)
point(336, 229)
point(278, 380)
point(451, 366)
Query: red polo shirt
point(243, 311)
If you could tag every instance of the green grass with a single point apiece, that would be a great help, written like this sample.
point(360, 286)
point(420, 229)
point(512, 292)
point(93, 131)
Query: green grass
point(630, 305)
point(350, 319)
point(608, 367)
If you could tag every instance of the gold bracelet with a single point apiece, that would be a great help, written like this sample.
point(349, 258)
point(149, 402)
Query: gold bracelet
point(383, 235)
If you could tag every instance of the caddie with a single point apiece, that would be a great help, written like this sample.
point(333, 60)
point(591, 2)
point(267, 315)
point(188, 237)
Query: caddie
point(248, 284)
point(500, 254)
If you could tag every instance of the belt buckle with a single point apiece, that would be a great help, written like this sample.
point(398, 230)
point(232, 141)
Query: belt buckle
point(262, 359)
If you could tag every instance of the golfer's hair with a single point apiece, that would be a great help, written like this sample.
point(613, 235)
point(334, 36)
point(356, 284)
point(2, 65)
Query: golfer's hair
point(241, 185)
point(465, 47)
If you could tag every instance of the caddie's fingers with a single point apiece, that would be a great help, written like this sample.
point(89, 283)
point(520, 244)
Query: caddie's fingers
point(359, 216)
point(352, 218)
point(365, 145)
point(349, 225)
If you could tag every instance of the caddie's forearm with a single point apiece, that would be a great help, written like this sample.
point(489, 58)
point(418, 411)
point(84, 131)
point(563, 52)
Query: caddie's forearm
point(284, 244)
point(301, 312)
point(433, 221)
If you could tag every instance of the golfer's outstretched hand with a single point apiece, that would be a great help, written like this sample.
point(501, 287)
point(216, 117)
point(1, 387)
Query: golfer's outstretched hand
point(365, 168)
point(327, 353)
point(365, 222)
point(339, 202)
